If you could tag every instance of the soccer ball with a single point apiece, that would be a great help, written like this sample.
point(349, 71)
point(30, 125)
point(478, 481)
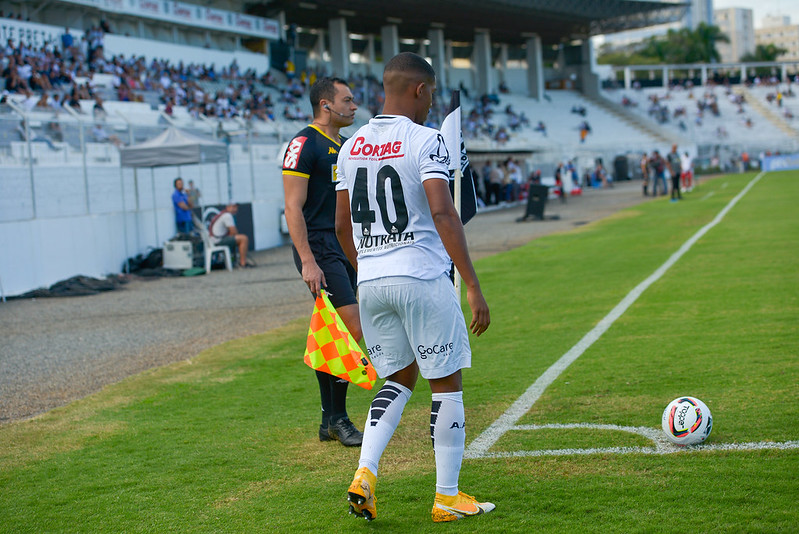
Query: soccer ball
point(687, 421)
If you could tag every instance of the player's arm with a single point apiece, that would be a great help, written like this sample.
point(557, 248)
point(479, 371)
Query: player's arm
point(295, 189)
point(344, 227)
point(449, 227)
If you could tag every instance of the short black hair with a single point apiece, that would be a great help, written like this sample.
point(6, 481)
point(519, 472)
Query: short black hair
point(408, 61)
point(324, 88)
point(175, 182)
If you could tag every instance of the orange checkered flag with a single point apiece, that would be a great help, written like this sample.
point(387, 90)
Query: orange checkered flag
point(332, 349)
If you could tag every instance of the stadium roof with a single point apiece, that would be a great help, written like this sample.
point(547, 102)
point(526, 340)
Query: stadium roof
point(509, 21)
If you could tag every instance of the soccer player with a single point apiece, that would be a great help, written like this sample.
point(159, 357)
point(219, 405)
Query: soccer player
point(396, 221)
point(308, 183)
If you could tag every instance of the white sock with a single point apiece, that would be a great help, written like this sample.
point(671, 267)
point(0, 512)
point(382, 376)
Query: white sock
point(447, 422)
point(384, 416)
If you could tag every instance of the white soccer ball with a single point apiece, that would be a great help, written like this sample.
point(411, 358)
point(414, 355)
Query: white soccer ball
point(687, 421)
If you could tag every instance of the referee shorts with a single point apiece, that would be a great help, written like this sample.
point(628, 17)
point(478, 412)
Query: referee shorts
point(340, 275)
point(406, 319)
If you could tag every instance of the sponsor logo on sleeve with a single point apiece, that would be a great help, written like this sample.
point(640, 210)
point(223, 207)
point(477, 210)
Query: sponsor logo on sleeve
point(293, 152)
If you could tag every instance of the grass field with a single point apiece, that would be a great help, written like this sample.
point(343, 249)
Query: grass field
point(227, 442)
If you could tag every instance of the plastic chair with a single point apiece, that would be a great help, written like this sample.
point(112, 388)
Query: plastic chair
point(210, 249)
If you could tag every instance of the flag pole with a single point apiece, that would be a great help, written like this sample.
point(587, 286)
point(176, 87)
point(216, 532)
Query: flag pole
point(457, 199)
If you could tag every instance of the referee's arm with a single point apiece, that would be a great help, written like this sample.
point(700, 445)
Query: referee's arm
point(344, 227)
point(295, 189)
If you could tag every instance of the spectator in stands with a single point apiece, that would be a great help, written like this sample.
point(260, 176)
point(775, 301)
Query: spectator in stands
point(222, 230)
point(502, 136)
point(44, 102)
point(54, 131)
point(579, 110)
point(183, 208)
point(541, 127)
point(66, 41)
point(99, 135)
point(74, 101)
point(98, 111)
point(14, 82)
point(27, 132)
point(585, 129)
point(289, 69)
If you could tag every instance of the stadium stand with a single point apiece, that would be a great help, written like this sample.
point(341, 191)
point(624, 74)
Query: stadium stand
point(710, 114)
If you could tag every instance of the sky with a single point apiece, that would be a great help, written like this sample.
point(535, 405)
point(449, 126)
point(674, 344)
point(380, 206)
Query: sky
point(761, 8)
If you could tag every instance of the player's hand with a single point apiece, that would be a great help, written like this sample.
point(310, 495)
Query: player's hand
point(313, 277)
point(481, 318)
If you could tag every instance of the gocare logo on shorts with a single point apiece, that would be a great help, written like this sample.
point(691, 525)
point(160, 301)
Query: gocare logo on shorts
point(433, 350)
point(293, 152)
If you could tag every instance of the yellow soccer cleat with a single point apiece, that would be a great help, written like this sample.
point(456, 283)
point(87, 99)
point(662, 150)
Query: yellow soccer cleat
point(454, 507)
point(361, 494)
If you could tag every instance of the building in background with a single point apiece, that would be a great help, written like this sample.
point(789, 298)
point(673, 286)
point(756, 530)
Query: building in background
point(738, 24)
point(779, 31)
point(698, 12)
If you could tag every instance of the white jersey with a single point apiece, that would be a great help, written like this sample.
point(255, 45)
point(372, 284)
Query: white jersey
point(383, 167)
point(686, 163)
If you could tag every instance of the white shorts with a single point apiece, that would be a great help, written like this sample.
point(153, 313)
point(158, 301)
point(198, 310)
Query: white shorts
point(406, 319)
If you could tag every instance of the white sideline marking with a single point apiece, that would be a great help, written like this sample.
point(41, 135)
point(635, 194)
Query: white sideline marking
point(710, 194)
point(660, 445)
point(480, 446)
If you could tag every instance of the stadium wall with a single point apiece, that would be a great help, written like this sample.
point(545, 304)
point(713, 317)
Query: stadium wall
point(90, 223)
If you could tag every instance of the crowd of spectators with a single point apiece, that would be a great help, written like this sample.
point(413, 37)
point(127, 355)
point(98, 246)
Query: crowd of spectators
point(707, 104)
point(63, 73)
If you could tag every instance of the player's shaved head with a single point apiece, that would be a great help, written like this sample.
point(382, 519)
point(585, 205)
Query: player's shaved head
point(406, 70)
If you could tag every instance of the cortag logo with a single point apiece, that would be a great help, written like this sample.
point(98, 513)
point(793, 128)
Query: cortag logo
point(387, 150)
point(293, 152)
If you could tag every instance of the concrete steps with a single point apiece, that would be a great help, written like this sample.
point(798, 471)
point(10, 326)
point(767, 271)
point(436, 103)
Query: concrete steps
point(634, 120)
point(767, 113)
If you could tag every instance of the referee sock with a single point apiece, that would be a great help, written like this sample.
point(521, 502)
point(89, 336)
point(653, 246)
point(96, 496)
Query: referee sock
point(447, 430)
point(325, 395)
point(384, 416)
point(338, 398)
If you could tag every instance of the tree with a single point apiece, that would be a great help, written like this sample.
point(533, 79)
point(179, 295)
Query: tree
point(767, 52)
point(706, 36)
point(677, 46)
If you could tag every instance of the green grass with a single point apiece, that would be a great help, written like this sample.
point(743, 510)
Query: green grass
point(227, 443)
